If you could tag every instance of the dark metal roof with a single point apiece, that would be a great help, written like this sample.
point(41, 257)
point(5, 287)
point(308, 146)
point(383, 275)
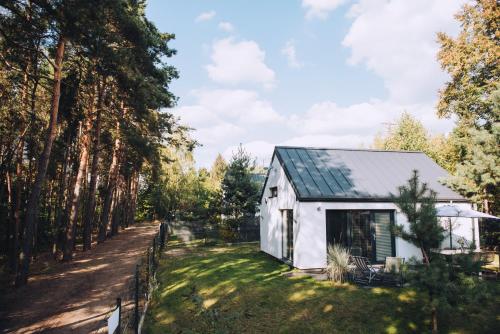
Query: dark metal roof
point(321, 174)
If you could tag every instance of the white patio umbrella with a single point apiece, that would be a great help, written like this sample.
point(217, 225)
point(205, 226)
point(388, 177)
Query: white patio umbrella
point(451, 210)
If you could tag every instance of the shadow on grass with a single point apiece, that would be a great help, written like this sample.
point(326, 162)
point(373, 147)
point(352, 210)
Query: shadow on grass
point(239, 289)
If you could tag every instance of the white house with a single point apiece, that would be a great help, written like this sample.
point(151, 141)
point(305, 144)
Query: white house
point(313, 197)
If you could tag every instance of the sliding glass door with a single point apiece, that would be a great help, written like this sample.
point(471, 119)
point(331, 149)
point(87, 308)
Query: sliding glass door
point(365, 232)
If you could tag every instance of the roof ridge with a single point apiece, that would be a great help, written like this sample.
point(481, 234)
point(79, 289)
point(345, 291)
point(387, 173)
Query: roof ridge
point(345, 149)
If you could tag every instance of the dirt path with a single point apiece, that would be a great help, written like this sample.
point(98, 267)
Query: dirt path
point(75, 297)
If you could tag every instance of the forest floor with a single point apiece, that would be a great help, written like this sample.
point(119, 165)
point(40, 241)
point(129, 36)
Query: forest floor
point(76, 296)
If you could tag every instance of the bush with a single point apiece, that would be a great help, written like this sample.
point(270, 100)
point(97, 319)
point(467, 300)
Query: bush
point(338, 263)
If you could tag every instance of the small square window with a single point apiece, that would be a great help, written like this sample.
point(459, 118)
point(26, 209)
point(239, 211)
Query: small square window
point(274, 191)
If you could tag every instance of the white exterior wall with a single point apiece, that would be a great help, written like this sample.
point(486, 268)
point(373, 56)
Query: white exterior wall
point(310, 246)
point(309, 223)
point(270, 211)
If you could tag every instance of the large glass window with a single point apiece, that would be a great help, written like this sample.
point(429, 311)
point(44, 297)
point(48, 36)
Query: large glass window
point(365, 232)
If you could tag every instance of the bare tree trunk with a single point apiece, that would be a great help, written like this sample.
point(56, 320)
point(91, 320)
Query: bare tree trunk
point(127, 200)
point(60, 208)
point(32, 207)
point(14, 230)
point(9, 196)
point(113, 174)
point(133, 197)
point(17, 212)
point(116, 211)
point(75, 198)
point(434, 320)
point(89, 211)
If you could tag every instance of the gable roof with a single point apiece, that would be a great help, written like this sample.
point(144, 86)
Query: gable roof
point(323, 174)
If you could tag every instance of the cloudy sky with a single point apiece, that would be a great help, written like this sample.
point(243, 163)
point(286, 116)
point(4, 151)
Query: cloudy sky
point(327, 73)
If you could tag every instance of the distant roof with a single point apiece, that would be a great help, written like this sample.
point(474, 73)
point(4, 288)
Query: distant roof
point(327, 174)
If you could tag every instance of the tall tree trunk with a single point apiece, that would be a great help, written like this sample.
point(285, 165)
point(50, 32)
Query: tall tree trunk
point(89, 212)
point(75, 198)
point(14, 237)
point(115, 213)
point(60, 208)
point(434, 320)
point(133, 197)
point(127, 199)
point(113, 174)
point(32, 207)
point(8, 181)
point(17, 212)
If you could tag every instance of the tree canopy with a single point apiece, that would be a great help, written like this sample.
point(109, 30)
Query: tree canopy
point(471, 95)
point(82, 85)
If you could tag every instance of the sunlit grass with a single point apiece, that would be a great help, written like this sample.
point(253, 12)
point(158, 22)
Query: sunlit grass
point(237, 289)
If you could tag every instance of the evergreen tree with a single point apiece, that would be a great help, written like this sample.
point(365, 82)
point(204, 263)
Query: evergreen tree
point(240, 192)
point(417, 202)
point(446, 284)
point(471, 59)
point(409, 134)
point(81, 86)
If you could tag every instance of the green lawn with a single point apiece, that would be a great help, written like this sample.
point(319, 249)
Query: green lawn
point(238, 289)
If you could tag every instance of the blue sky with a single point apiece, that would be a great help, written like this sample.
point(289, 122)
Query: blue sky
point(310, 73)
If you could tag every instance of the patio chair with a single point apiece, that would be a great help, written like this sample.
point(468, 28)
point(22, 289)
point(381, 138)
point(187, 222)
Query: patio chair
point(364, 271)
point(393, 271)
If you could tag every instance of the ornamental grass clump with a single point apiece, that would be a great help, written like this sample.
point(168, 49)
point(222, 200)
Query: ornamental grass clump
point(338, 263)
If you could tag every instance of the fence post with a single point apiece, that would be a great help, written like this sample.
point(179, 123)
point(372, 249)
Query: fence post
point(148, 263)
point(154, 250)
point(162, 236)
point(119, 307)
point(136, 300)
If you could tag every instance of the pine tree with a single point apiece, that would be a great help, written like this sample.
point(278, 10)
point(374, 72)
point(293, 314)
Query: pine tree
point(70, 72)
point(417, 202)
point(409, 134)
point(471, 59)
point(447, 284)
point(240, 192)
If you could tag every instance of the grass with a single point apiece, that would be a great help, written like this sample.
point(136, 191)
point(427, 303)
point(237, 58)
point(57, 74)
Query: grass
point(237, 289)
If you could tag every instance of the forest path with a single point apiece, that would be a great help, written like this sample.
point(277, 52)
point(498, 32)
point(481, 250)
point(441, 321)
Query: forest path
point(76, 297)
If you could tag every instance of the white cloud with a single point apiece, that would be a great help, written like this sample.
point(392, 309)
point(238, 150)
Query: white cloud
point(218, 115)
point(397, 40)
point(205, 16)
point(238, 104)
point(218, 133)
point(226, 26)
point(236, 62)
point(363, 120)
point(291, 54)
point(346, 141)
point(258, 149)
point(320, 8)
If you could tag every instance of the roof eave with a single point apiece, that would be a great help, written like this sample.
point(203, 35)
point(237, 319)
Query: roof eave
point(371, 199)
